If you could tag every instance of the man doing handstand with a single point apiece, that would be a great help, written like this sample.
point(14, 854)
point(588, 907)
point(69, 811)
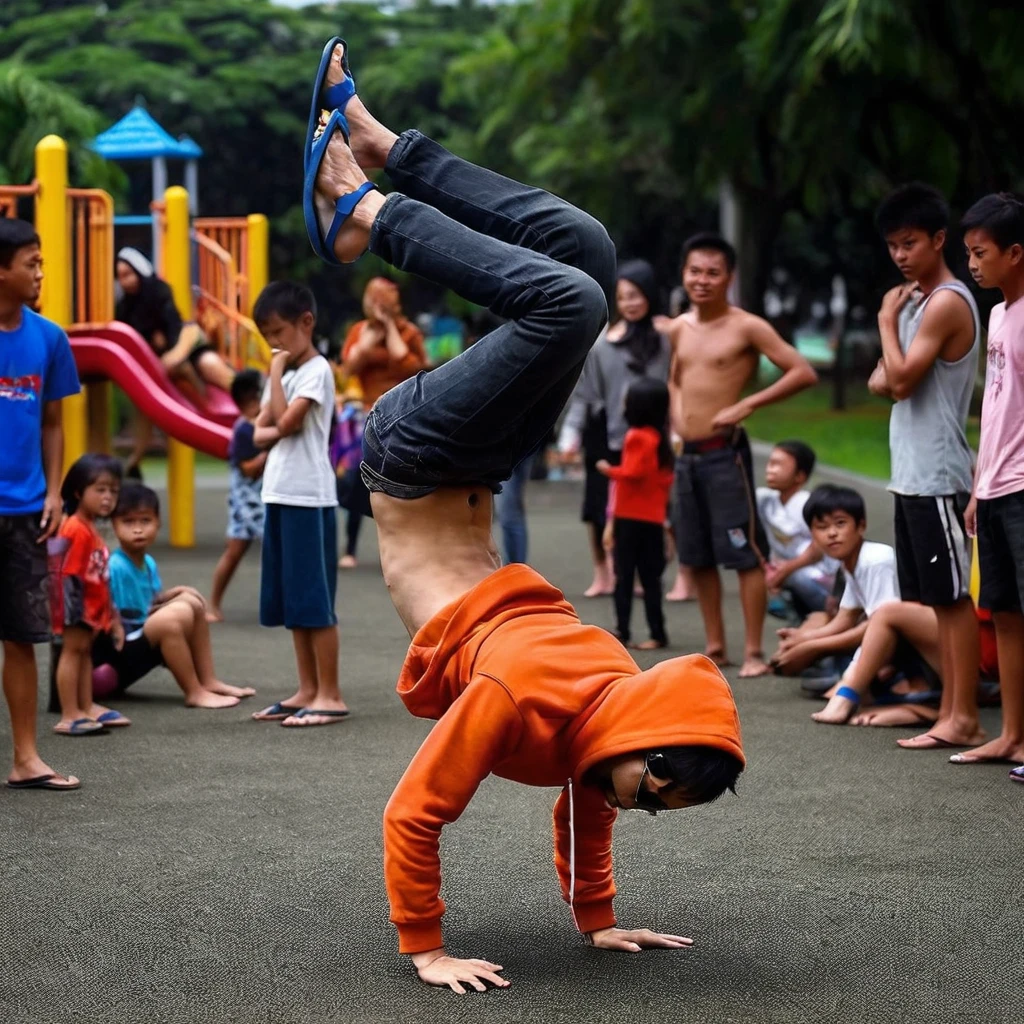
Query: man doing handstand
point(518, 685)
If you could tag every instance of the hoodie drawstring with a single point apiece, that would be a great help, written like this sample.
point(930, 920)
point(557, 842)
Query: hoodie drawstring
point(572, 857)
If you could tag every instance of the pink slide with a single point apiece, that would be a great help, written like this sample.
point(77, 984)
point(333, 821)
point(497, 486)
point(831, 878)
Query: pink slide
point(215, 405)
point(150, 391)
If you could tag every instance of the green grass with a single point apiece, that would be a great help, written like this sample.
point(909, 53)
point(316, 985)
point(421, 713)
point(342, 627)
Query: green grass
point(856, 439)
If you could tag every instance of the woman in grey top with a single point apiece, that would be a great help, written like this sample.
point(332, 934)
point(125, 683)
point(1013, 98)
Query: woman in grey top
point(594, 421)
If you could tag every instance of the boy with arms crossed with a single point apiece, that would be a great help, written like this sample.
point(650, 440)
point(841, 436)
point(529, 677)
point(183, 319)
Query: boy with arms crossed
point(716, 349)
point(36, 372)
point(930, 330)
point(518, 685)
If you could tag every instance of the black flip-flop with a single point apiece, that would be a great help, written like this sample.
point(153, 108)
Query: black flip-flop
point(42, 782)
point(336, 716)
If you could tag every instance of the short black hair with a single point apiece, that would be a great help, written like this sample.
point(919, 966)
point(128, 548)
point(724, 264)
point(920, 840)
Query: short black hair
point(1000, 215)
point(802, 453)
point(246, 386)
point(136, 497)
point(83, 472)
point(709, 240)
point(702, 773)
point(831, 498)
point(288, 299)
point(913, 206)
point(14, 235)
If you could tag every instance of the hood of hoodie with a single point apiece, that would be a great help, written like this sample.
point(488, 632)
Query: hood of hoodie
point(580, 697)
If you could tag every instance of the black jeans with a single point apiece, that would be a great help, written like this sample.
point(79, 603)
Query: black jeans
point(530, 258)
point(639, 548)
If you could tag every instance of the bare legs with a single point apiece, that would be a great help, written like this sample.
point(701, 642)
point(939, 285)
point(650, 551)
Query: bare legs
point(21, 683)
point(753, 600)
point(234, 552)
point(959, 646)
point(1009, 744)
point(180, 630)
point(604, 577)
point(316, 654)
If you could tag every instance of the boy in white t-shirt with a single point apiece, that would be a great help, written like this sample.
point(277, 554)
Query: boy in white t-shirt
point(796, 567)
point(298, 574)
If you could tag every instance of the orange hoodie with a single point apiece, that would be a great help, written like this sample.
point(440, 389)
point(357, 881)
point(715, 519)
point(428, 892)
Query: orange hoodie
point(522, 689)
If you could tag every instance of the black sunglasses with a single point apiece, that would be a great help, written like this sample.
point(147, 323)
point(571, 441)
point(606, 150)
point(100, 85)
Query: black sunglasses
point(644, 799)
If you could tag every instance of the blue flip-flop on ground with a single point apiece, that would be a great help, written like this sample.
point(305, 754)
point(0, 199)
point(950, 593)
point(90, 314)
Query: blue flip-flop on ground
point(335, 716)
point(334, 98)
point(115, 718)
point(84, 727)
point(323, 244)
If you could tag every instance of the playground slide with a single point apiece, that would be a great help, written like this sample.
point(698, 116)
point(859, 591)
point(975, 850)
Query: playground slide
point(215, 405)
point(101, 357)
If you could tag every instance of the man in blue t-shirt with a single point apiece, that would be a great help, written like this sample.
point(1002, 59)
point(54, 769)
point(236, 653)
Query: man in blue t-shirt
point(37, 370)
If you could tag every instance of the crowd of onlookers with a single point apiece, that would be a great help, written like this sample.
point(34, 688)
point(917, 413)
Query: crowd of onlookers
point(885, 636)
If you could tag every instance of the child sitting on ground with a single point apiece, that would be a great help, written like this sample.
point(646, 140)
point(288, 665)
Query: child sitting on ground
point(162, 627)
point(639, 504)
point(796, 569)
point(245, 503)
point(84, 609)
point(837, 519)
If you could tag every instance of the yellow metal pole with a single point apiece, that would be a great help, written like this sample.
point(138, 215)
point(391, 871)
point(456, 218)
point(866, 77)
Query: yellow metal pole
point(975, 572)
point(257, 257)
point(55, 301)
point(181, 462)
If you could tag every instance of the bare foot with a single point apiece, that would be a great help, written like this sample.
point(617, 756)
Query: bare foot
point(230, 691)
point(754, 666)
point(347, 562)
point(900, 714)
point(205, 699)
point(718, 656)
point(308, 717)
point(214, 614)
point(836, 712)
point(999, 750)
point(649, 645)
point(680, 594)
point(599, 588)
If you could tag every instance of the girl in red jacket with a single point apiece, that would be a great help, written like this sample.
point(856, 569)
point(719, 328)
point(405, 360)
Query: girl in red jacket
point(639, 504)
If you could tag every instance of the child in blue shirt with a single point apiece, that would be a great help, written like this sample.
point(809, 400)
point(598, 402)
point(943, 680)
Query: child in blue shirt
point(245, 501)
point(162, 627)
point(37, 370)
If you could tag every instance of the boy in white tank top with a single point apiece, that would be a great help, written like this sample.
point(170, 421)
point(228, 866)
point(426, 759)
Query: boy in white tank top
point(930, 330)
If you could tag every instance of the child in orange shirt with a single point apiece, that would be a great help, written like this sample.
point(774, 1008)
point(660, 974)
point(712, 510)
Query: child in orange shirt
point(636, 529)
point(89, 492)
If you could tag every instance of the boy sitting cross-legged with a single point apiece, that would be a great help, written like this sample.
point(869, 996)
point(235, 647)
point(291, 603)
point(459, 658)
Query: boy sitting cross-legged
point(162, 627)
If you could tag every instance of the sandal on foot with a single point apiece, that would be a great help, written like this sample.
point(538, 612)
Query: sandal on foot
point(113, 718)
point(334, 98)
point(48, 781)
point(334, 716)
point(323, 244)
point(1018, 774)
point(275, 713)
point(83, 727)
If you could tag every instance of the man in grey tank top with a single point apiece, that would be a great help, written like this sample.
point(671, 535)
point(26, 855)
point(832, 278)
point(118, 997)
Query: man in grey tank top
point(930, 331)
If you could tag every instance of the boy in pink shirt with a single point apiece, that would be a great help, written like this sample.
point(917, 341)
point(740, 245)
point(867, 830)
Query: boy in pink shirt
point(994, 237)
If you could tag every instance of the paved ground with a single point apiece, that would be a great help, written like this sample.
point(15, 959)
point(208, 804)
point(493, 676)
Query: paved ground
point(216, 870)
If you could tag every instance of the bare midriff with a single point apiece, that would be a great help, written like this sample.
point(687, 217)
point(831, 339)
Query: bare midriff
point(434, 549)
point(713, 364)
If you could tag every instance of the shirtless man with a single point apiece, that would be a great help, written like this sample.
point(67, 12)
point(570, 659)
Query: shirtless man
point(716, 348)
point(519, 686)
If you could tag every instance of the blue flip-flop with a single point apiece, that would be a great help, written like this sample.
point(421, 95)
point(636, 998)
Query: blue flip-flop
point(84, 727)
point(115, 718)
point(333, 716)
point(335, 98)
point(323, 245)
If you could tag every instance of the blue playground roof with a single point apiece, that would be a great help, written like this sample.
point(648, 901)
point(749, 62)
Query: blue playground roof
point(138, 137)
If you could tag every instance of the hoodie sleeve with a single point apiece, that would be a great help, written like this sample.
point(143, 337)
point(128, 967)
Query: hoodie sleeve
point(590, 829)
point(588, 393)
point(474, 735)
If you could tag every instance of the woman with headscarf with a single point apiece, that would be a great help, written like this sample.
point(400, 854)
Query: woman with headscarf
point(146, 304)
point(380, 352)
point(630, 349)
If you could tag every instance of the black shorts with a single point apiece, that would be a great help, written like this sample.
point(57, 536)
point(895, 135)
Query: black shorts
point(136, 659)
point(596, 487)
point(716, 520)
point(933, 554)
point(25, 587)
point(1001, 552)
